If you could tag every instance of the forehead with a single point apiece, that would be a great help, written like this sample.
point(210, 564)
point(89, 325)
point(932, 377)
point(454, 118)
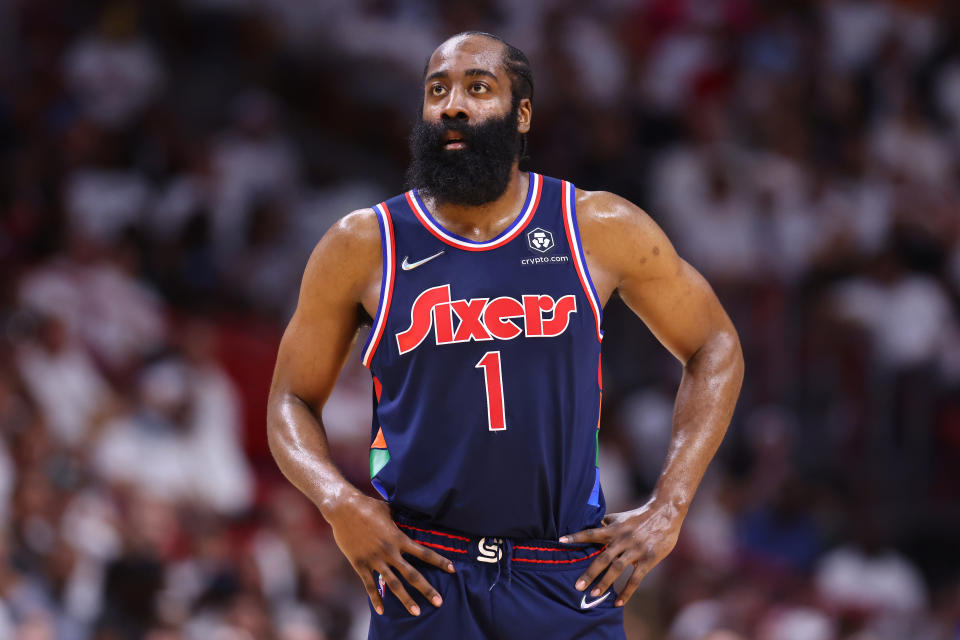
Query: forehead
point(456, 55)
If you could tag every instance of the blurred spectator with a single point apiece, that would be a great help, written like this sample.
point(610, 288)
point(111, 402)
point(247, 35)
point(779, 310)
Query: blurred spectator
point(252, 162)
point(780, 535)
point(796, 623)
point(60, 375)
point(184, 424)
point(907, 146)
point(869, 581)
point(95, 292)
point(908, 316)
point(114, 71)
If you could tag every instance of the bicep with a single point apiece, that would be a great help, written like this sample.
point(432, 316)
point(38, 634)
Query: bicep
point(679, 307)
point(670, 296)
point(313, 349)
point(324, 325)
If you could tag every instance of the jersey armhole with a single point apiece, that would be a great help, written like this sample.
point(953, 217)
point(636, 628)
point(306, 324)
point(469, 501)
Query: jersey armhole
point(388, 272)
point(576, 248)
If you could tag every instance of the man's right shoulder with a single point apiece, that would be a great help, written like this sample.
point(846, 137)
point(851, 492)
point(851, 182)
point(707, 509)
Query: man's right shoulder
point(347, 258)
point(353, 237)
point(357, 226)
point(349, 251)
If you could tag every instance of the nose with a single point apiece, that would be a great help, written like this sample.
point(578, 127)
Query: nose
point(454, 107)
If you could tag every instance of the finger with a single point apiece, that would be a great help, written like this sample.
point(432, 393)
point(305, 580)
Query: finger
point(587, 535)
point(428, 555)
point(397, 588)
point(371, 586)
point(418, 582)
point(639, 572)
point(599, 564)
point(618, 566)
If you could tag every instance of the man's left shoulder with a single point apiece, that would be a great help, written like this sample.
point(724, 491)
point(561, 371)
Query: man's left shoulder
point(606, 212)
point(621, 238)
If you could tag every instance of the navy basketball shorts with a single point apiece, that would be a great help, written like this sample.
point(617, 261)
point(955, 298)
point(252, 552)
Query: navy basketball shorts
point(503, 589)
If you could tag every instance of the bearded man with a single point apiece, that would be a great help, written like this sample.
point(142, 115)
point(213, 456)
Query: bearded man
point(485, 287)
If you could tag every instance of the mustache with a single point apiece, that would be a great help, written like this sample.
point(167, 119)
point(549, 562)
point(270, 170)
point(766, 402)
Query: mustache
point(435, 131)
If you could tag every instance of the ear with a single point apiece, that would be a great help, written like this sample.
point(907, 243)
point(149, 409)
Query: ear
point(524, 115)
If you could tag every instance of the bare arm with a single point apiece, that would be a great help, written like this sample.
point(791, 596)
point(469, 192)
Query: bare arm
point(342, 273)
point(628, 252)
point(312, 352)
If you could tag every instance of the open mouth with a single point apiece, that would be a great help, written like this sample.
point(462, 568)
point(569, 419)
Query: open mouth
point(454, 141)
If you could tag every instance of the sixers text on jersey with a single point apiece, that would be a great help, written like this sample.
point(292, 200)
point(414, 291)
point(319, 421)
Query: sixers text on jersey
point(483, 318)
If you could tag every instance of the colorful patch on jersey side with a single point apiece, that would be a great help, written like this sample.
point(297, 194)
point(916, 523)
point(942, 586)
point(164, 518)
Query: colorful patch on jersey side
point(379, 457)
point(594, 500)
point(380, 489)
point(534, 191)
point(388, 274)
point(379, 442)
point(378, 460)
point(573, 238)
point(596, 457)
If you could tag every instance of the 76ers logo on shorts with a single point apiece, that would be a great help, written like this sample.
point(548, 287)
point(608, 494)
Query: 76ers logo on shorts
point(490, 550)
point(540, 240)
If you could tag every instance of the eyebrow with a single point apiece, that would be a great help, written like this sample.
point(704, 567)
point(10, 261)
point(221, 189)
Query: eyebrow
point(468, 72)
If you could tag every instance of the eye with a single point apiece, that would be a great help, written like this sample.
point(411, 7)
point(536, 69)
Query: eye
point(436, 89)
point(479, 87)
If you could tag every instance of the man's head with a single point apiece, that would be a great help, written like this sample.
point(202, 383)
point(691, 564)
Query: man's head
point(475, 114)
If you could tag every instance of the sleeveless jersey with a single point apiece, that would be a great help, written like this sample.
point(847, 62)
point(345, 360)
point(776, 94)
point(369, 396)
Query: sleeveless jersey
point(485, 359)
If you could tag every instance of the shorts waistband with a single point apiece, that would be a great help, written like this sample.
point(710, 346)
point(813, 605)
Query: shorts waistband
point(521, 552)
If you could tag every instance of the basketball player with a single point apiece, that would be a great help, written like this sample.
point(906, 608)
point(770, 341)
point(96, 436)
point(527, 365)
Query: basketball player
point(486, 287)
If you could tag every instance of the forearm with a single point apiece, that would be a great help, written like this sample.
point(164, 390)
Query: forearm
point(704, 406)
point(642, 537)
point(299, 445)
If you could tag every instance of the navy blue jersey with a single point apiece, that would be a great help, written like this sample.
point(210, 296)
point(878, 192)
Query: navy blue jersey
point(486, 368)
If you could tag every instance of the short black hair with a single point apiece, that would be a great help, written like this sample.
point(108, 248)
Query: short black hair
point(515, 61)
point(518, 67)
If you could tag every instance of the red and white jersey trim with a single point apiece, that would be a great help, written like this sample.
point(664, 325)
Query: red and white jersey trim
point(573, 237)
point(386, 282)
point(530, 207)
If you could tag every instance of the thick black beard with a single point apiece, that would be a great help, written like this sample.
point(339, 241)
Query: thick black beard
point(472, 176)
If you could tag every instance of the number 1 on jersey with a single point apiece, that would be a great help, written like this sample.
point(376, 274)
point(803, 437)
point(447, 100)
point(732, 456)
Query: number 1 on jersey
point(493, 379)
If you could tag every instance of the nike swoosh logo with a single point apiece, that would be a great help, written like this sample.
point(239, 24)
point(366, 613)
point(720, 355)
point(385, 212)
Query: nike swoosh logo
point(406, 266)
point(589, 605)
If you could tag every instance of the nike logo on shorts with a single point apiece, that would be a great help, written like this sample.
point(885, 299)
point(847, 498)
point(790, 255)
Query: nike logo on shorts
point(406, 266)
point(589, 605)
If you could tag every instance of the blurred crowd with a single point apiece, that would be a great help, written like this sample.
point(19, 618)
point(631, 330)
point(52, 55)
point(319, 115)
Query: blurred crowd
point(166, 168)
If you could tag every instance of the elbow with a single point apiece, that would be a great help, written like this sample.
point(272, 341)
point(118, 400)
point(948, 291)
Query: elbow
point(734, 355)
point(736, 352)
point(278, 422)
point(274, 423)
point(285, 420)
point(721, 353)
point(729, 351)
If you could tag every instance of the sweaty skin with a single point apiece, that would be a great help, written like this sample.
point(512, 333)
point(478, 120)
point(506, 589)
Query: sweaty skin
point(625, 251)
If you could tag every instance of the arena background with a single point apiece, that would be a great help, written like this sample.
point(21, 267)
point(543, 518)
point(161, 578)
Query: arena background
point(166, 168)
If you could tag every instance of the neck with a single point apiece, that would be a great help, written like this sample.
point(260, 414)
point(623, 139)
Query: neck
point(484, 222)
